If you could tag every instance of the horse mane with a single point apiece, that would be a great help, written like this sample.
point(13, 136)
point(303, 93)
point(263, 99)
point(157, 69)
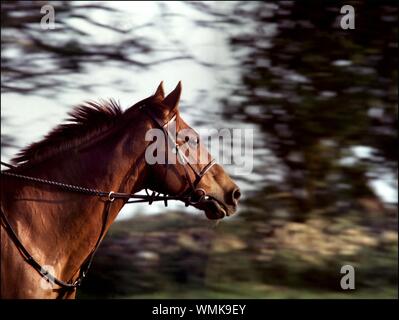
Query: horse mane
point(84, 121)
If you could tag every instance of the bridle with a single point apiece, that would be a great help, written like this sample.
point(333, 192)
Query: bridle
point(191, 196)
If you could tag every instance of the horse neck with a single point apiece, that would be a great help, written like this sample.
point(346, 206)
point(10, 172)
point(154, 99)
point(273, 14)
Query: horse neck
point(73, 220)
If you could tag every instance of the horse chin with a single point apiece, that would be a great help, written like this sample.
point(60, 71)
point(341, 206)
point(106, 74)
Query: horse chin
point(213, 209)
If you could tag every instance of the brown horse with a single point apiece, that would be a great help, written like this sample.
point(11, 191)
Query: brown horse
point(100, 148)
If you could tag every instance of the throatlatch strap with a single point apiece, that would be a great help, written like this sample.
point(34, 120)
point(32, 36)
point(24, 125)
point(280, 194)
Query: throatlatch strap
point(84, 269)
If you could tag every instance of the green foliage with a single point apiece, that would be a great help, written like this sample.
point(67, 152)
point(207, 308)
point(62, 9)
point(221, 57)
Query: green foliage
point(272, 258)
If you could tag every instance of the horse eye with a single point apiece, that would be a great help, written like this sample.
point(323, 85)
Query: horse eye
point(195, 141)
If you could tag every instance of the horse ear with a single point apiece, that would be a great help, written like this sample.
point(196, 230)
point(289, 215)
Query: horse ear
point(160, 93)
point(173, 98)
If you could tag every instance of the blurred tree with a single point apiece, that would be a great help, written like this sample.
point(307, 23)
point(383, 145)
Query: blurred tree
point(66, 50)
point(320, 92)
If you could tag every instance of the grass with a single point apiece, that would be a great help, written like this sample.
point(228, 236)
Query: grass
point(262, 291)
point(249, 260)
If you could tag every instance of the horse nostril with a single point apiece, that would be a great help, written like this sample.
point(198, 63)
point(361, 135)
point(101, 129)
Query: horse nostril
point(236, 195)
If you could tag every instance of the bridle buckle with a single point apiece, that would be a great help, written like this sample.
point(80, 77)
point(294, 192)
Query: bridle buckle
point(111, 196)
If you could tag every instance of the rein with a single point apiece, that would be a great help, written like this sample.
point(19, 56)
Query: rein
point(110, 195)
point(189, 197)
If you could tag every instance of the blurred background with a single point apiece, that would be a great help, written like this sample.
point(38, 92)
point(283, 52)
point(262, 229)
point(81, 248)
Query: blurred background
point(323, 104)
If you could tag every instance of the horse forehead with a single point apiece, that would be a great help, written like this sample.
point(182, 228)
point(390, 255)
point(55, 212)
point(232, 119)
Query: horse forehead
point(182, 124)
